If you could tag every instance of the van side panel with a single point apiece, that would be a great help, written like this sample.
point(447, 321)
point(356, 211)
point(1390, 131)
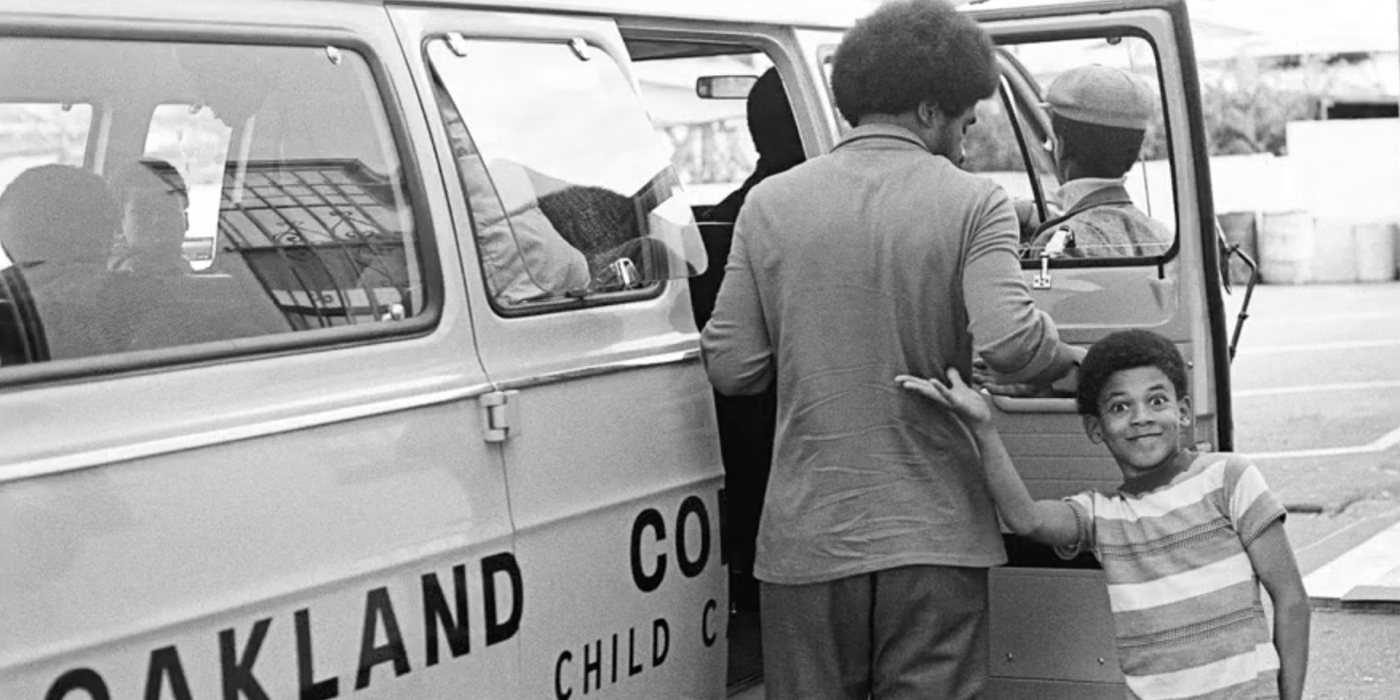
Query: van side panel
point(315, 521)
point(612, 457)
point(320, 549)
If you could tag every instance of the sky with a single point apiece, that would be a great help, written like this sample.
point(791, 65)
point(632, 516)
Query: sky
point(1296, 26)
point(1224, 27)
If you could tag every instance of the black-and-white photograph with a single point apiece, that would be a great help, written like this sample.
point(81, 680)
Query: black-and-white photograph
point(700, 349)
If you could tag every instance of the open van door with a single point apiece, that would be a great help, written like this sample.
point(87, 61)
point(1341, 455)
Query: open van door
point(1051, 629)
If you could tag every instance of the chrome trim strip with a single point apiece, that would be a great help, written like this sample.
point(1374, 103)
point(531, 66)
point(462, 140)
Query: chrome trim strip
point(100, 457)
point(669, 358)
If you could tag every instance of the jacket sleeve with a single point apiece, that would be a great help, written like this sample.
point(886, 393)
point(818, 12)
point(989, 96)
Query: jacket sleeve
point(735, 346)
point(1015, 339)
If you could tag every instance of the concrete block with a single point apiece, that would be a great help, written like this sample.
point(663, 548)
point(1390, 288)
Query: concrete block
point(1376, 599)
point(1287, 244)
point(1334, 252)
point(1375, 252)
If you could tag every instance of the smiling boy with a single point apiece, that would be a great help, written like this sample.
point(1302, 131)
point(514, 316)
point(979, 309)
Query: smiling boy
point(1184, 542)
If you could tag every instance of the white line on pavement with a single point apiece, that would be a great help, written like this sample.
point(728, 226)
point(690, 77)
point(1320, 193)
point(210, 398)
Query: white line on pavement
point(1314, 347)
point(1381, 444)
point(1291, 320)
point(1358, 567)
point(1345, 531)
point(1317, 388)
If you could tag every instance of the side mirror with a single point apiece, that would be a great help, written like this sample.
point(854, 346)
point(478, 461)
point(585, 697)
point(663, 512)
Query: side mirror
point(724, 87)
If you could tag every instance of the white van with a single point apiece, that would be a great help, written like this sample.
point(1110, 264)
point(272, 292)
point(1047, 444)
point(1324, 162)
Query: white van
point(409, 403)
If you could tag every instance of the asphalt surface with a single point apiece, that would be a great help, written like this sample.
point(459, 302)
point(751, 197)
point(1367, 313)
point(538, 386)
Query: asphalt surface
point(1317, 399)
point(1317, 404)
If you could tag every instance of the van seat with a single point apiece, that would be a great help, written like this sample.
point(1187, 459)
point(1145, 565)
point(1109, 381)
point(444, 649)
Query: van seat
point(200, 309)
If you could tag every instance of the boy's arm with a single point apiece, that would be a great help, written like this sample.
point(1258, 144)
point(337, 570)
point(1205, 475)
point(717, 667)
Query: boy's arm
point(1273, 561)
point(1049, 522)
point(1046, 521)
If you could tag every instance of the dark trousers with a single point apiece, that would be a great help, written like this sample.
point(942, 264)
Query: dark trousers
point(905, 633)
point(746, 426)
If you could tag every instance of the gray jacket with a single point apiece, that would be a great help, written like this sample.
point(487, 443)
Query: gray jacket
point(875, 260)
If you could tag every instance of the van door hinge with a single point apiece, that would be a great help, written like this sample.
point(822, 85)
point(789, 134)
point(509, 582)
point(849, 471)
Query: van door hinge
point(500, 415)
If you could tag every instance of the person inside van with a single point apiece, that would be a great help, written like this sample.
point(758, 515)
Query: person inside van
point(155, 204)
point(57, 224)
point(1100, 117)
point(773, 129)
point(746, 423)
point(540, 236)
point(877, 530)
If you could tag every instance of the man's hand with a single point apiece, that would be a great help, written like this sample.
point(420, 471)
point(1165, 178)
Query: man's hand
point(963, 400)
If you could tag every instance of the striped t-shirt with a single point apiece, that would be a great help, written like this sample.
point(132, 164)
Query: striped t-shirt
point(1185, 598)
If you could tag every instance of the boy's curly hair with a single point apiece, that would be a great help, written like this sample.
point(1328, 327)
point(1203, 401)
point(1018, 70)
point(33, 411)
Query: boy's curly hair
point(1126, 350)
point(911, 51)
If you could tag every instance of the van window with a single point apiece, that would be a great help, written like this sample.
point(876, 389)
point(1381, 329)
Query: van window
point(569, 187)
point(195, 143)
point(1001, 146)
point(1107, 189)
point(264, 197)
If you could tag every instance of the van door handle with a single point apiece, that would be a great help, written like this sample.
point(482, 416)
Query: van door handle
point(500, 415)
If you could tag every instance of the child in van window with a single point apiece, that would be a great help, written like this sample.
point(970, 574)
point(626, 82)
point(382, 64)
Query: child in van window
point(1184, 542)
point(155, 215)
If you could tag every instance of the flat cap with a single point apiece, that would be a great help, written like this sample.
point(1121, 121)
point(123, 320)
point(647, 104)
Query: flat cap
point(1104, 96)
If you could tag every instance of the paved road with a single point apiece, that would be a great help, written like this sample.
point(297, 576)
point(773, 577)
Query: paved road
point(1317, 403)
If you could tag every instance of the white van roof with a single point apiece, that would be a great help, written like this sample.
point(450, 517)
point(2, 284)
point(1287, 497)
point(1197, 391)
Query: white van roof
point(834, 14)
point(826, 14)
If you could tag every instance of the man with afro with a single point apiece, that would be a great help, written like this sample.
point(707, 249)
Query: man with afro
point(880, 258)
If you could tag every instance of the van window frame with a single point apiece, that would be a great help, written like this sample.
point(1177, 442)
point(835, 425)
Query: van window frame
point(826, 62)
point(280, 344)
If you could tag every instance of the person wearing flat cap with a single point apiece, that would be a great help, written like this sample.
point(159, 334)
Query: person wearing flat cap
point(1100, 117)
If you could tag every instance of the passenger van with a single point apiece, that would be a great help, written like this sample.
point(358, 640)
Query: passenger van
point(348, 348)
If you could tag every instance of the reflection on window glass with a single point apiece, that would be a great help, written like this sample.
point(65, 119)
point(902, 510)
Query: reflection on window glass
point(561, 163)
point(1087, 113)
point(36, 134)
point(195, 144)
point(263, 196)
point(543, 107)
